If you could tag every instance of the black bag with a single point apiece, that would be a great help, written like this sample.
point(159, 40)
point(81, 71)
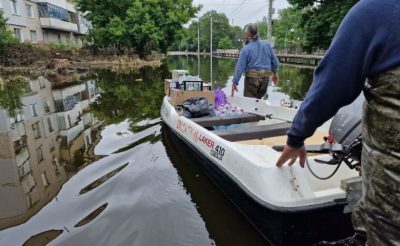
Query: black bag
point(197, 107)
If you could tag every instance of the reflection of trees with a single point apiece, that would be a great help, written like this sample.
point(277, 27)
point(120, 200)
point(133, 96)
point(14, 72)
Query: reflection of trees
point(295, 82)
point(135, 95)
point(222, 67)
point(11, 91)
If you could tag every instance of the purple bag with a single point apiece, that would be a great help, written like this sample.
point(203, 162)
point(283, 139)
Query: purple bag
point(220, 98)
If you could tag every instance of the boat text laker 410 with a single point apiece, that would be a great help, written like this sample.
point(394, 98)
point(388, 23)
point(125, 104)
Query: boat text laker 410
point(239, 144)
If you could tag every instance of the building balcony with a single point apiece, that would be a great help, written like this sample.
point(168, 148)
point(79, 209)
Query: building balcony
point(25, 169)
point(61, 4)
point(20, 145)
point(72, 133)
point(56, 24)
point(18, 131)
point(22, 156)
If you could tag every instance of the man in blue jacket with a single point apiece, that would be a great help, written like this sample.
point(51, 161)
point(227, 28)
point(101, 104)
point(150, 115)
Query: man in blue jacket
point(258, 61)
point(366, 46)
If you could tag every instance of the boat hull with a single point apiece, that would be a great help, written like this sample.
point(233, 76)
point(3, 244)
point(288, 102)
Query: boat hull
point(278, 226)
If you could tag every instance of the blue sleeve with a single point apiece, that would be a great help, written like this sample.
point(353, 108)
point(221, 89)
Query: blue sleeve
point(339, 78)
point(241, 66)
point(274, 60)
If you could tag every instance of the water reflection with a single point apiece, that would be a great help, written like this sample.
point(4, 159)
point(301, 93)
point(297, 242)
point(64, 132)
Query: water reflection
point(222, 68)
point(294, 81)
point(160, 198)
point(40, 143)
point(134, 96)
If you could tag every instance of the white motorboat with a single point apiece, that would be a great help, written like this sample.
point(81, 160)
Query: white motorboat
point(288, 205)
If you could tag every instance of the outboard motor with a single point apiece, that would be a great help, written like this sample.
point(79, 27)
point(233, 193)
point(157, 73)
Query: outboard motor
point(346, 130)
point(344, 142)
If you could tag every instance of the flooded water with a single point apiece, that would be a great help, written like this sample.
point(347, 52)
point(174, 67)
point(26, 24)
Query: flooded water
point(92, 164)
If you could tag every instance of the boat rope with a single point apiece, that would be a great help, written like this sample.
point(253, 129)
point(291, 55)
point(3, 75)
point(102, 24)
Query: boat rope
point(322, 178)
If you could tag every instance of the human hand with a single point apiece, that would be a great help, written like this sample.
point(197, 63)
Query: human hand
point(275, 78)
point(291, 154)
point(234, 88)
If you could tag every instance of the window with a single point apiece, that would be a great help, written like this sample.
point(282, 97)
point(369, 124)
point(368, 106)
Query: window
point(46, 106)
point(29, 10)
point(34, 37)
point(28, 87)
point(42, 83)
point(29, 200)
point(39, 154)
point(59, 37)
point(24, 169)
point(44, 179)
point(56, 166)
point(18, 118)
point(50, 125)
point(17, 33)
point(14, 7)
point(52, 145)
point(36, 130)
point(45, 36)
point(34, 110)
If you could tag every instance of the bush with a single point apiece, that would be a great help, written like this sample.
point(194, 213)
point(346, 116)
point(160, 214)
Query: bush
point(62, 45)
point(11, 90)
point(6, 36)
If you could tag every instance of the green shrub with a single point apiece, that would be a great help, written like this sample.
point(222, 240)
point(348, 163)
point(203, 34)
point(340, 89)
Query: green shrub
point(6, 36)
point(62, 45)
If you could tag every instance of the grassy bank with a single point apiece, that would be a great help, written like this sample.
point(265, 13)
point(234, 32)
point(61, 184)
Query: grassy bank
point(65, 64)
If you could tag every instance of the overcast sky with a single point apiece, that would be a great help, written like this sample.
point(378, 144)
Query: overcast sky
point(241, 11)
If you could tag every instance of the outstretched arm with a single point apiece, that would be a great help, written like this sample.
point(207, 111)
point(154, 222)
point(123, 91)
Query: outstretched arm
point(338, 81)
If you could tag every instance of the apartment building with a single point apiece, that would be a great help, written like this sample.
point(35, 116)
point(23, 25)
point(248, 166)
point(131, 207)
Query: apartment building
point(38, 144)
point(44, 21)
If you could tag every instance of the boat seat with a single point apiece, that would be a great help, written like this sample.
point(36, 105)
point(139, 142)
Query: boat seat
point(226, 120)
point(254, 132)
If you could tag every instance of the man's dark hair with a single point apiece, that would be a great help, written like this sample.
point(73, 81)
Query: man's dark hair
point(252, 30)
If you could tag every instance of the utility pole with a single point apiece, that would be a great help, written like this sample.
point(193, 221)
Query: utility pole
point(198, 48)
point(198, 38)
point(269, 21)
point(211, 50)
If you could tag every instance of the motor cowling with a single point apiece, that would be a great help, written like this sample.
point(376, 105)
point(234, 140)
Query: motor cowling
point(346, 129)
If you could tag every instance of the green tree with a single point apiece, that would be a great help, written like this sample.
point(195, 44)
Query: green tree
point(6, 36)
point(11, 91)
point(220, 29)
point(320, 20)
point(287, 30)
point(262, 28)
point(225, 43)
point(143, 25)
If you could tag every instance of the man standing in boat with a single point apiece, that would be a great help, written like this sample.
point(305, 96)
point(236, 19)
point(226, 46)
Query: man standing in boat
point(258, 61)
point(367, 45)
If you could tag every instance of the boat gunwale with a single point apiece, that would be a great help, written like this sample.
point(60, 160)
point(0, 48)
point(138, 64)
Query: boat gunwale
point(259, 200)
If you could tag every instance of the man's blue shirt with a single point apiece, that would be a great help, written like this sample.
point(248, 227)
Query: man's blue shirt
point(257, 54)
point(366, 44)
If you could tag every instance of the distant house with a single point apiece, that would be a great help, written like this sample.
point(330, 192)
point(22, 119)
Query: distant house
point(44, 21)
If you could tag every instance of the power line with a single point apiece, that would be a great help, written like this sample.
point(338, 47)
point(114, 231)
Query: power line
point(238, 7)
point(253, 14)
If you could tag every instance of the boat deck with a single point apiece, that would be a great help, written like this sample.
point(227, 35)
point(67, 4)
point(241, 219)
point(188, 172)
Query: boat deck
point(316, 139)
